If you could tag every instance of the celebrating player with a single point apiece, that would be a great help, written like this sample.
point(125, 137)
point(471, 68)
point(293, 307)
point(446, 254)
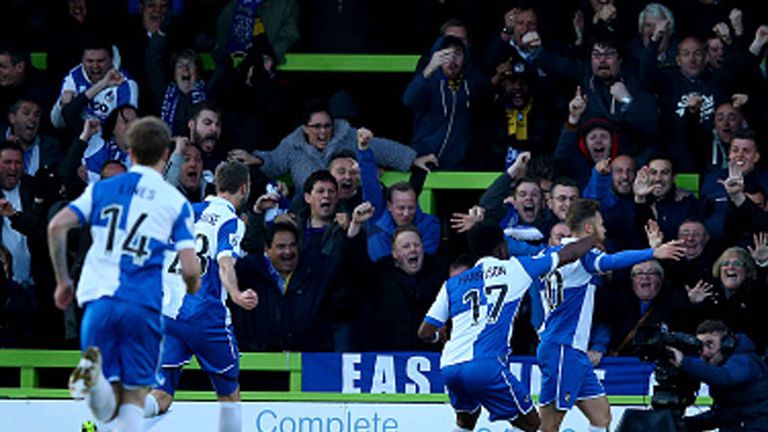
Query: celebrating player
point(132, 217)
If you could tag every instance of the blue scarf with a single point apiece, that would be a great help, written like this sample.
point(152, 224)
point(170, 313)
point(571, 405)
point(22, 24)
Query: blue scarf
point(241, 29)
point(171, 100)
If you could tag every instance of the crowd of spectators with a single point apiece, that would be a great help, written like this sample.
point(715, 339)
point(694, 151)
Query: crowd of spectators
point(597, 99)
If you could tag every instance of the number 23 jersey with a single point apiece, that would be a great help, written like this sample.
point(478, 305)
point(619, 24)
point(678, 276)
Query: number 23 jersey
point(218, 233)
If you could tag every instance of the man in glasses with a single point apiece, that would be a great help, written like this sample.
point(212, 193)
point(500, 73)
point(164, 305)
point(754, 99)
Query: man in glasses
point(611, 87)
point(562, 194)
point(649, 302)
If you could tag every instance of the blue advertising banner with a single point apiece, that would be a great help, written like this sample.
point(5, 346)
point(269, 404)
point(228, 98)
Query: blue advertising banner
point(419, 372)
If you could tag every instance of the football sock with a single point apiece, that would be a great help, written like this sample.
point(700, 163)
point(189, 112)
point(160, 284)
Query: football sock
point(130, 418)
point(101, 399)
point(230, 417)
point(150, 406)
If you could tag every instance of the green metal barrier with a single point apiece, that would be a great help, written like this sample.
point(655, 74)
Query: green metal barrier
point(689, 182)
point(481, 180)
point(31, 362)
point(299, 62)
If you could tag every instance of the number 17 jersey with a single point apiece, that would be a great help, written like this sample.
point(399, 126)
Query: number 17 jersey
point(133, 218)
point(482, 303)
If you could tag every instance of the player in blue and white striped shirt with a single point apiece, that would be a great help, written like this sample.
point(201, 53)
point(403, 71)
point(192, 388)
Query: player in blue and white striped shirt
point(568, 377)
point(200, 324)
point(481, 304)
point(133, 217)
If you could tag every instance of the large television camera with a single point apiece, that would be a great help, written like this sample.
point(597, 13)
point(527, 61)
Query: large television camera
point(674, 390)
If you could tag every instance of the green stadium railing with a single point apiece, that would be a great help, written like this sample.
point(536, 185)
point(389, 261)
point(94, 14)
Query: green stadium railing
point(30, 363)
point(481, 180)
point(304, 62)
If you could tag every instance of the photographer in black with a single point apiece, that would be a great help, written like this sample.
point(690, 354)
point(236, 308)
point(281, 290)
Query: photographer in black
point(737, 379)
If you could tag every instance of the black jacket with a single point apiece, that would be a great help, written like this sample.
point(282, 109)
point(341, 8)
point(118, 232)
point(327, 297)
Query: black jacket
point(298, 320)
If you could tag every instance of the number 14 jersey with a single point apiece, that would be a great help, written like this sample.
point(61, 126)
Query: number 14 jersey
point(134, 218)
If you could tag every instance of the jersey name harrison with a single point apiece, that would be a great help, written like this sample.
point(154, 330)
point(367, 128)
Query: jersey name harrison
point(488, 273)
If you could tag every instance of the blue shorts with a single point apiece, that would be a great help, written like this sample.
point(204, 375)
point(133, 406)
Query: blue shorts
point(129, 337)
point(212, 343)
point(567, 375)
point(487, 383)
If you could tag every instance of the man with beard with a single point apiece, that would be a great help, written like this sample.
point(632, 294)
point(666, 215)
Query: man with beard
point(611, 185)
point(519, 119)
point(744, 155)
point(613, 89)
point(189, 167)
point(204, 131)
point(24, 128)
point(657, 197)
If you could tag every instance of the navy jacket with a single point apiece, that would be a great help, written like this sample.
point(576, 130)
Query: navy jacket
point(739, 389)
point(442, 116)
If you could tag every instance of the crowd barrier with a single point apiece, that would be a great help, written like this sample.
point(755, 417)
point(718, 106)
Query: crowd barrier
point(333, 377)
point(305, 62)
point(481, 180)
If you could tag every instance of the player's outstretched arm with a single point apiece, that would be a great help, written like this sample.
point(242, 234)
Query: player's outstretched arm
point(190, 269)
point(673, 250)
point(247, 299)
point(58, 228)
point(573, 251)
